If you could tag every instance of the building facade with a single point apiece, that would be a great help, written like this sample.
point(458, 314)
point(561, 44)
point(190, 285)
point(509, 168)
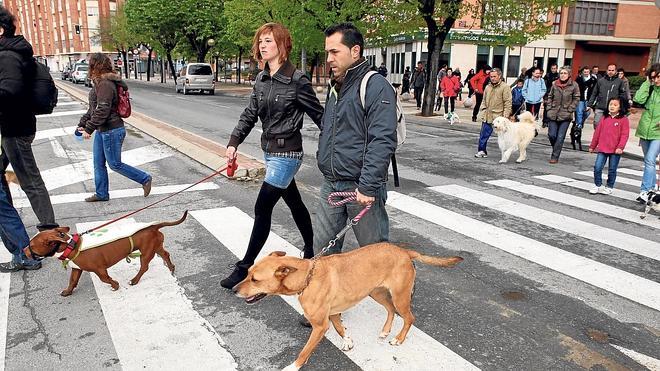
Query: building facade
point(625, 32)
point(61, 31)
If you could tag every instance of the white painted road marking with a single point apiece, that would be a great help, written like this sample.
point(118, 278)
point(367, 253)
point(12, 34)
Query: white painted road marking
point(64, 113)
point(52, 133)
point(232, 228)
point(619, 179)
point(649, 362)
point(120, 193)
point(624, 284)
point(560, 222)
point(153, 324)
point(630, 171)
point(579, 202)
point(5, 256)
point(631, 196)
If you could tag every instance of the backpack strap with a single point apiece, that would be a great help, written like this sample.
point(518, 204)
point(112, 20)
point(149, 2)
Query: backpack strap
point(363, 88)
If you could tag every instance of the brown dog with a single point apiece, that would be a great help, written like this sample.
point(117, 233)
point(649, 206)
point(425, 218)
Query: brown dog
point(148, 241)
point(333, 284)
point(10, 176)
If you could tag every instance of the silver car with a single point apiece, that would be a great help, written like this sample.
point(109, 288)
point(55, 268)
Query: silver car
point(196, 76)
point(79, 73)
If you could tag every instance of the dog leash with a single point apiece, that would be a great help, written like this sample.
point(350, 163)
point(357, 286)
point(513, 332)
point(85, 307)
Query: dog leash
point(229, 165)
point(336, 199)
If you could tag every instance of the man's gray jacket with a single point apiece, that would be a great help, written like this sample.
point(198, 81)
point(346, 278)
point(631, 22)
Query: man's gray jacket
point(607, 87)
point(356, 144)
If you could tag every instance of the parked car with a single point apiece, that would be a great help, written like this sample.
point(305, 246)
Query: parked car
point(66, 73)
point(79, 73)
point(195, 76)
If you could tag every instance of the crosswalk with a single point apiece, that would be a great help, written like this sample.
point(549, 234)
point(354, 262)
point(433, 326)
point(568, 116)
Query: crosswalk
point(152, 324)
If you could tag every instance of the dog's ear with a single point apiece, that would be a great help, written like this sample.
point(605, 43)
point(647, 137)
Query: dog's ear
point(284, 271)
point(277, 253)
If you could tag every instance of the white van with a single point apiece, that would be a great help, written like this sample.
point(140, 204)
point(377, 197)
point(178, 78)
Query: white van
point(195, 76)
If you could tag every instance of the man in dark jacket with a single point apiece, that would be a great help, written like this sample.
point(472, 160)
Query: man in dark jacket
point(587, 82)
point(356, 143)
point(607, 87)
point(418, 80)
point(17, 122)
point(17, 128)
point(549, 79)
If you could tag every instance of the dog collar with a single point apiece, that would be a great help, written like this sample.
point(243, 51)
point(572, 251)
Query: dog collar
point(70, 246)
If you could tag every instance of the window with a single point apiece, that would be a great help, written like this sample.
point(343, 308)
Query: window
point(371, 60)
point(498, 57)
point(482, 55)
point(513, 66)
point(200, 69)
point(568, 62)
point(445, 55)
point(591, 18)
point(393, 63)
point(556, 21)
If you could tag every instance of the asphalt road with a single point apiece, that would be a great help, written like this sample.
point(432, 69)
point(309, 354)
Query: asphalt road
point(553, 278)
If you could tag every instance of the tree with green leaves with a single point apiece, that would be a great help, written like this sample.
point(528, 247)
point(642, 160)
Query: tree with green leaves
point(517, 22)
point(158, 23)
point(116, 34)
point(202, 20)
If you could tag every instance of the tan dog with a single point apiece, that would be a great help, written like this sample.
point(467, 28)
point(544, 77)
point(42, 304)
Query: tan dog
point(148, 241)
point(515, 136)
point(333, 284)
point(11, 177)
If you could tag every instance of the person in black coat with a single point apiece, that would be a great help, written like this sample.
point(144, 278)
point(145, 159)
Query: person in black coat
point(405, 87)
point(18, 122)
point(467, 82)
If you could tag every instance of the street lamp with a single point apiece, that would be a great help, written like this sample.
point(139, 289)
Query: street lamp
point(135, 55)
point(216, 55)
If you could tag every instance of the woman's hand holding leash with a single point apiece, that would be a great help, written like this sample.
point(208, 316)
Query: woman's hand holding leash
point(84, 133)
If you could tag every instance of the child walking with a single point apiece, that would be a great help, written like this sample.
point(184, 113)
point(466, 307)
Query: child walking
point(609, 140)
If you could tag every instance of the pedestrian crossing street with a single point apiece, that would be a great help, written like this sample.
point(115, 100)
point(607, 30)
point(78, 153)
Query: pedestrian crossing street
point(500, 215)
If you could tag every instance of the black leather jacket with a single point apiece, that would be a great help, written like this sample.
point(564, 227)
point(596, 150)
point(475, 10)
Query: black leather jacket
point(279, 101)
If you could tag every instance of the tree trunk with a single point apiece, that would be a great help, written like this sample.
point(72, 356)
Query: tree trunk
point(436, 39)
point(149, 64)
point(315, 67)
point(162, 70)
point(169, 61)
point(238, 65)
point(124, 57)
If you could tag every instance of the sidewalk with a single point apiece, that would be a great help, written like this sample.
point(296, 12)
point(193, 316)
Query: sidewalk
point(632, 149)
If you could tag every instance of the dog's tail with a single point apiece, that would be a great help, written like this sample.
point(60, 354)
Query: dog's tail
point(446, 262)
point(169, 224)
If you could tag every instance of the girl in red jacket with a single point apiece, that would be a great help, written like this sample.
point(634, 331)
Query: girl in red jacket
point(450, 86)
point(609, 140)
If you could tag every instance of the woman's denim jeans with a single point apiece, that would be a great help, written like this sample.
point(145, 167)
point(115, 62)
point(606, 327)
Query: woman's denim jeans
point(651, 148)
point(107, 148)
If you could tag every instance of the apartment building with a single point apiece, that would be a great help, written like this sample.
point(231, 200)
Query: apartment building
point(625, 32)
point(61, 31)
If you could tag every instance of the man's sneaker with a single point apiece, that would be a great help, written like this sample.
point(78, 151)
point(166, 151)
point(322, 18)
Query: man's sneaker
point(596, 189)
point(238, 275)
point(480, 154)
point(146, 187)
point(606, 191)
point(15, 267)
point(643, 197)
point(95, 198)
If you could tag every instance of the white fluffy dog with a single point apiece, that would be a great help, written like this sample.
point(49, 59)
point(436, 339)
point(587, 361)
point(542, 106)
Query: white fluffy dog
point(452, 117)
point(512, 136)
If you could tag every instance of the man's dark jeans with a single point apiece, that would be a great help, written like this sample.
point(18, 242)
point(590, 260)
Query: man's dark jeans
point(17, 151)
point(329, 220)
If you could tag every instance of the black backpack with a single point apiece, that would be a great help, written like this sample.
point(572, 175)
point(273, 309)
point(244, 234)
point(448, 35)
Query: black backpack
point(42, 89)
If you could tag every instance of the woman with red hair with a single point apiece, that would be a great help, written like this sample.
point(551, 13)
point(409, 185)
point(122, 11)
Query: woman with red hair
point(281, 95)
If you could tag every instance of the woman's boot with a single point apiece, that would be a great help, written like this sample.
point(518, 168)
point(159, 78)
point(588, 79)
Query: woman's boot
point(573, 136)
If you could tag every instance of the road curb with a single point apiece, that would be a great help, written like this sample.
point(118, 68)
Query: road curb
point(200, 149)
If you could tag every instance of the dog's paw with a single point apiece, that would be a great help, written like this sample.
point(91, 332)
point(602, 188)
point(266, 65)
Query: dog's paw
point(347, 344)
point(65, 293)
point(291, 367)
point(502, 162)
point(383, 335)
point(519, 161)
point(395, 342)
point(642, 216)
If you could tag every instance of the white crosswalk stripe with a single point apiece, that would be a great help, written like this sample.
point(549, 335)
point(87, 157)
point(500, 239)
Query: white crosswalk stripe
point(574, 201)
point(619, 179)
point(614, 280)
point(630, 171)
point(585, 186)
point(159, 330)
point(564, 223)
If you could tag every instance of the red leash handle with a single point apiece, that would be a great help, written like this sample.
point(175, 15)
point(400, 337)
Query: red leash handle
point(226, 167)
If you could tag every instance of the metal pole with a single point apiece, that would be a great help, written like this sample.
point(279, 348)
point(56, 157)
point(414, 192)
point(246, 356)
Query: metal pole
point(135, 65)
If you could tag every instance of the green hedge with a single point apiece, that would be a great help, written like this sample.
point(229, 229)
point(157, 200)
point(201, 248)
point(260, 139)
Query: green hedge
point(635, 82)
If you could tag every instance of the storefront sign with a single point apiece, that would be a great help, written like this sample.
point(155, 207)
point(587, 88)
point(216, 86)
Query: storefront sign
point(453, 37)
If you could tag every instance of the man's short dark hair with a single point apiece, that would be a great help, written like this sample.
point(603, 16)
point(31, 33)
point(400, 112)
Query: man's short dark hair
point(7, 22)
point(534, 69)
point(584, 68)
point(595, 66)
point(612, 64)
point(350, 35)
